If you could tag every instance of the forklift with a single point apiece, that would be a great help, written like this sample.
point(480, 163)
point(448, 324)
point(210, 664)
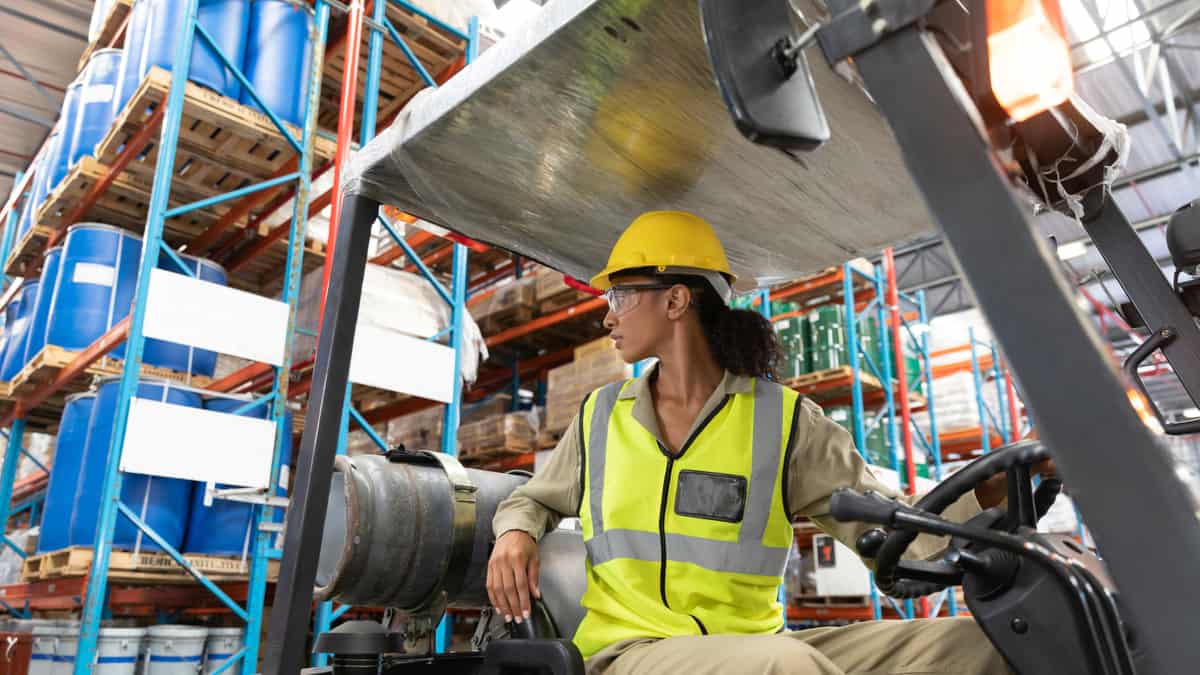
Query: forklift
point(974, 97)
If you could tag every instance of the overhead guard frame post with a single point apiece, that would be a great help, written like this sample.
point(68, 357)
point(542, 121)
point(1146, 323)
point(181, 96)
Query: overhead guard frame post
point(286, 642)
point(991, 234)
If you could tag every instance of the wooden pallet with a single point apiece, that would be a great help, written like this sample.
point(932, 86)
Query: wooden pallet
point(27, 253)
point(832, 383)
point(505, 318)
point(562, 300)
point(118, 14)
point(46, 364)
point(477, 457)
point(138, 567)
point(399, 81)
point(223, 145)
point(511, 445)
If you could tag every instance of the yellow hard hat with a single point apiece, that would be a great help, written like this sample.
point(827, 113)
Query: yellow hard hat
point(664, 240)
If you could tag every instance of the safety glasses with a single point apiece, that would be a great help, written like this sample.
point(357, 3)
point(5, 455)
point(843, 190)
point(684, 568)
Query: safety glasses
point(622, 299)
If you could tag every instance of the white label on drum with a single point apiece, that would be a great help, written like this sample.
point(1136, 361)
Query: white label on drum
point(92, 273)
point(98, 93)
point(284, 471)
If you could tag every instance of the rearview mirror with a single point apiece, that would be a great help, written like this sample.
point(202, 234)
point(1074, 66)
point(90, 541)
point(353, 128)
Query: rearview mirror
point(766, 84)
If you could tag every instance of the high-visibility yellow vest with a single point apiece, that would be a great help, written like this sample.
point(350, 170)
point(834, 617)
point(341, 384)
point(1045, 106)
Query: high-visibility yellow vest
point(686, 545)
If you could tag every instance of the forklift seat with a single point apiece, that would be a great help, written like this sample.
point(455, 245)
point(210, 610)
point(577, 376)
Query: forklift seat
point(563, 579)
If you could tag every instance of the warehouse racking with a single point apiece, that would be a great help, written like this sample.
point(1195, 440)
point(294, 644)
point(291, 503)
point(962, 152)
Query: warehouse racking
point(119, 185)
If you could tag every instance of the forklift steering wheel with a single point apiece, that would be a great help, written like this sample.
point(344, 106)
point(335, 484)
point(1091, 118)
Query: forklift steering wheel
point(915, 578)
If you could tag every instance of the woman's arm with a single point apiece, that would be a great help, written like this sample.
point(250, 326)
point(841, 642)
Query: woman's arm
point(824, 458)
point(537, 506)
point(551, 495)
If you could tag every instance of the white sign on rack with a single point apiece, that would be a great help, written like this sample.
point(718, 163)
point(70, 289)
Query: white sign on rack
point(402, 363)
point(202, 314)
point(175, 441)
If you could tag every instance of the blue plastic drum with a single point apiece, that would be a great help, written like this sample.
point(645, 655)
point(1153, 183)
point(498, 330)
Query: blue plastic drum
point(96, 280)
point(64, 474)
point(225, 527)
point(95, 108)
point(17, 331)
point(279, 58)
point(38, 188)
point(12, 313)
point(41, 304)
point(26, 219)
point(224, 20)
point(177, 357)
point(60, 161)
point(137, 44)
point(160, 502)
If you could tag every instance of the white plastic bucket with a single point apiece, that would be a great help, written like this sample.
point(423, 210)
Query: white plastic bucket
point(222, 643)
point(175, 650)
point(45, 639)
point(67, 641)
point(117, 651)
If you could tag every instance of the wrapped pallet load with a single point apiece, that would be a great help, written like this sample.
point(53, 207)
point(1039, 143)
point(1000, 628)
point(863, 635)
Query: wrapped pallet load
point(596, 364)
point(505, 305)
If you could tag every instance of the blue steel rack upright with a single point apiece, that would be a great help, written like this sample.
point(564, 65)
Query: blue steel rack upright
point(1006, 421)
point(877, 281)
point(110, 506)
point(456, 297)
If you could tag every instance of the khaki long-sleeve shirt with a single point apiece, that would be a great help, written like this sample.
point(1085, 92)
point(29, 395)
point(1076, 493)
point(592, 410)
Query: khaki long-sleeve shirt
point(824, 459)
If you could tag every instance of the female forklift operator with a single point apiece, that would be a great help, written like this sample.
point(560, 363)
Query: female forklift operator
point(686, 481)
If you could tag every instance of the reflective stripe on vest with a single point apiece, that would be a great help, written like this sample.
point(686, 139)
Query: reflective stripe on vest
point(746, 556)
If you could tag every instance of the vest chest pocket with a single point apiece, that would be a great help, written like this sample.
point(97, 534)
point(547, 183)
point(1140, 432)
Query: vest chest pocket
point(713, 496)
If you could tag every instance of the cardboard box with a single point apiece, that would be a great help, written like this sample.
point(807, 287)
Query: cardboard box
point(599, 345)
point(421, 430)
point(549, 283)
point(511, 431)
point(510, 298)
point(567, 385)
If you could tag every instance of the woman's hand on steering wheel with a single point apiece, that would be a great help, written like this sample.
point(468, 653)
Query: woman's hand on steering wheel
point(994, 490)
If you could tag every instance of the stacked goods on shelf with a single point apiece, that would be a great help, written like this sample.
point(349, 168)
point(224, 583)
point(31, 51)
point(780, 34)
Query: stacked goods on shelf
point(876, 441)
point(956, 405)
point(224, 527)
point(85, 288)
point(507, 433)
point(393, 301)
point(64, 475)
point(827, 326)
point(421, 430)
point(596, 364)
point(16, 330)
point(551, 292)
point(795, 337)
point(162, 503)
point(268, 39)
point(506, 305)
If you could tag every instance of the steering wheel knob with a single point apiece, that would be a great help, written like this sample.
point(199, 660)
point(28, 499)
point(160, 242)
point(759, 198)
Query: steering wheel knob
point(869, 542)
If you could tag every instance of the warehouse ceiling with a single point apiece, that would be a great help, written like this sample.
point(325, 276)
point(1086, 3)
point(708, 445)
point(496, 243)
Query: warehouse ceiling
point(1138, 62)
point(40, 45)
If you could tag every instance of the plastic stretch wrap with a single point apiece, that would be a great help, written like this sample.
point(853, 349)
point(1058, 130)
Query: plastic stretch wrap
point(395, 301)
point(594, 112)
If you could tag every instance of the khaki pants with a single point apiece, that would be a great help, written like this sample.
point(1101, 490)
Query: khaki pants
point(954, 646)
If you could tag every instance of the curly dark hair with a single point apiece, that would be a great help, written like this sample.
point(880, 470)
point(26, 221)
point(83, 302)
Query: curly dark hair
point(742, 341)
